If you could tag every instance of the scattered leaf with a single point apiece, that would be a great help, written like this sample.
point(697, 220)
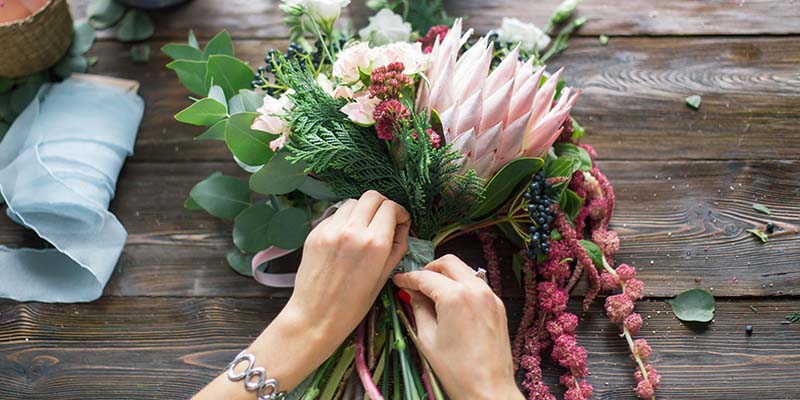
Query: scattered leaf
point(279, 176)
point(71, 64)
point(82, 39)
point(502, 185)
point(92, 60)
point(762, 208)
point(135, 26)
point(694, 101)
point(190, 204)
point(249, 145)
point(793, 317)
point(250, 228)
point(222, 196)
point(603, 40)
point(240, 262)
point(140, 53)
point(204, 112)
point(761, 235)
point(104, 13)
point(753, 309)
point(693, 305)
point(289, 228)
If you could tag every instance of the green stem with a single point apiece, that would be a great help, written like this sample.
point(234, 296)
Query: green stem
point(400, 344)
point(347, 357)
point(313, 390)
point(318, 32)
point(437, 391)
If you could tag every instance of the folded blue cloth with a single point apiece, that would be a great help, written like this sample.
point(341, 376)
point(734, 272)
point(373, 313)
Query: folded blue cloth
point(59, 164)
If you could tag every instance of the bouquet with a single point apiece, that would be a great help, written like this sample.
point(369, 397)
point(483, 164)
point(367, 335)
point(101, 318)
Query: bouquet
point(470, 135)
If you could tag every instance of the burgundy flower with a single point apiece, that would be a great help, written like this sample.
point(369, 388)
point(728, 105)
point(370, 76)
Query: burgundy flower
point(389, 80)
point(552, 299)
point(634, 288)
point(435, 32)
point(608, 282)
point(388, 115)
point(645, 390)
point(626, 272)
point(618, 307)
point(642, 349)
point(633, 323)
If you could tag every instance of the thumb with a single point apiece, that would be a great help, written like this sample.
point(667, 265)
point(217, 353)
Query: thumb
point(425, 316)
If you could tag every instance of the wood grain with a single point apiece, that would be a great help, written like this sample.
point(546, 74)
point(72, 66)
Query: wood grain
point(680, 224)
point(168, 348)
point(632, 103)
point(263, 19)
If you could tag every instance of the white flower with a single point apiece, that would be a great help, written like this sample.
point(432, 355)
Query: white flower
point(362, 110)
point(340, 91)
point(347, 64)
point(385, 27)
point(410, 54)
point(271, 120)
point(322, 11)
point(529, 36)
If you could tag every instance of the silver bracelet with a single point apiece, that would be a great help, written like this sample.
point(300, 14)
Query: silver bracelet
point(266, 389)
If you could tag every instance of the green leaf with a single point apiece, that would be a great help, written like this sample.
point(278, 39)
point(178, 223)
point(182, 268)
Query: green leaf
point(762, 208)
point(216, 93)
point(192, 75)
point(603, 40)
point(71, 64)
point(511, 234)
point(82, 39)
point(204, 112)
point(578, 132)
point(140, 53)
point(761, 235)
point(135, 26)
point(240, 262)
point(594, 253)
point(190, 204)
point(222, 196)
point(420, 253)
point(104, 13)
point(246, 101)
point(571, 150)
point(693, 305)
point(229, 73)
point(248, 145)
point(181, 52)
point(570, 203)
point(22, 96)
point(192, 40)
point(502, 185)
point(694, 101)
point(279, 176)
point(216, 132)
point(562, 167)
point(317, 189)
point(250, 228)
point(220, 44)
point(289, 228)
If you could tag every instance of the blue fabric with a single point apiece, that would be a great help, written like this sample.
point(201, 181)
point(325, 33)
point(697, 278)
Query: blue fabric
point(59, 164)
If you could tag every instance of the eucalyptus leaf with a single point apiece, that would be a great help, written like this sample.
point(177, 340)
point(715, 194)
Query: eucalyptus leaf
point(693, 305)
point(216, 132)
point(694, 101)
point(569, 149)
point(216, 93)
point(82, 39)
point(192, 75)
point(504, 183)
point(279, 176)
point(135, 26)
point(190, 204)
point(317, 189)
point(182, 52)
point(762, 208)
point(761, 235)
point(240, 262)
point(248, 145)
point(204, 112)
point(104, 13)
point(594, 253)
point(140, 53)
point(222, 196)
point(251, 226)
point(420, 253)
point(192, 40)
point(289, 228)
point(71, 64)
point(246, 101)
point(229, 73)
point(219, 44)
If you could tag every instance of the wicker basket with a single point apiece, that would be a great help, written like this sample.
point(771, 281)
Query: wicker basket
point(36, 42)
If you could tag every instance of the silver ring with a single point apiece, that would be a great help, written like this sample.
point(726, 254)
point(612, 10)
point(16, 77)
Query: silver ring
point(481, 273)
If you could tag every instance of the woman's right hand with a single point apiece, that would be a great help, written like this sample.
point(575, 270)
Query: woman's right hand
point(462, 329)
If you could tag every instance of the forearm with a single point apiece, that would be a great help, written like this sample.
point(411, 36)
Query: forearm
point(289, 350)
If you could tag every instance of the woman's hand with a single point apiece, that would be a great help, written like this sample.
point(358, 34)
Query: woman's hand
point(346, 261)
point(462, 330)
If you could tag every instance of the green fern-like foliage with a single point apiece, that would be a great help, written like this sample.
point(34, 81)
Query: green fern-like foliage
point(424, 180)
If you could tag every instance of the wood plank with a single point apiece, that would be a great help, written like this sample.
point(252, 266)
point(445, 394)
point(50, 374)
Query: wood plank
point(680, 224)
point(263, 19)
point(168, 348)
point(632, 103)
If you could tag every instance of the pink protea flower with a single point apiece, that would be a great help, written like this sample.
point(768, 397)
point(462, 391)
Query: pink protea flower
point(633, 323)
point(388, 115)
point(642, 349)
point(618, 307)
point(491, 118)
point(634, 289)
point(552, 299)
point(625, 272)
point(435, 33)
point(389, 80)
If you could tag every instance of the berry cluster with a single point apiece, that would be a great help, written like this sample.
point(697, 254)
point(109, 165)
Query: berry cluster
point(542, 214)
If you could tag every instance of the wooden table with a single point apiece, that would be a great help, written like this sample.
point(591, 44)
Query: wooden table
point(174, 313)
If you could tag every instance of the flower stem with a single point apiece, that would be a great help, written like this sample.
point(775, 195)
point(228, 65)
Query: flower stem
point(338, 373)
point(437, 391)
point(361, 362)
